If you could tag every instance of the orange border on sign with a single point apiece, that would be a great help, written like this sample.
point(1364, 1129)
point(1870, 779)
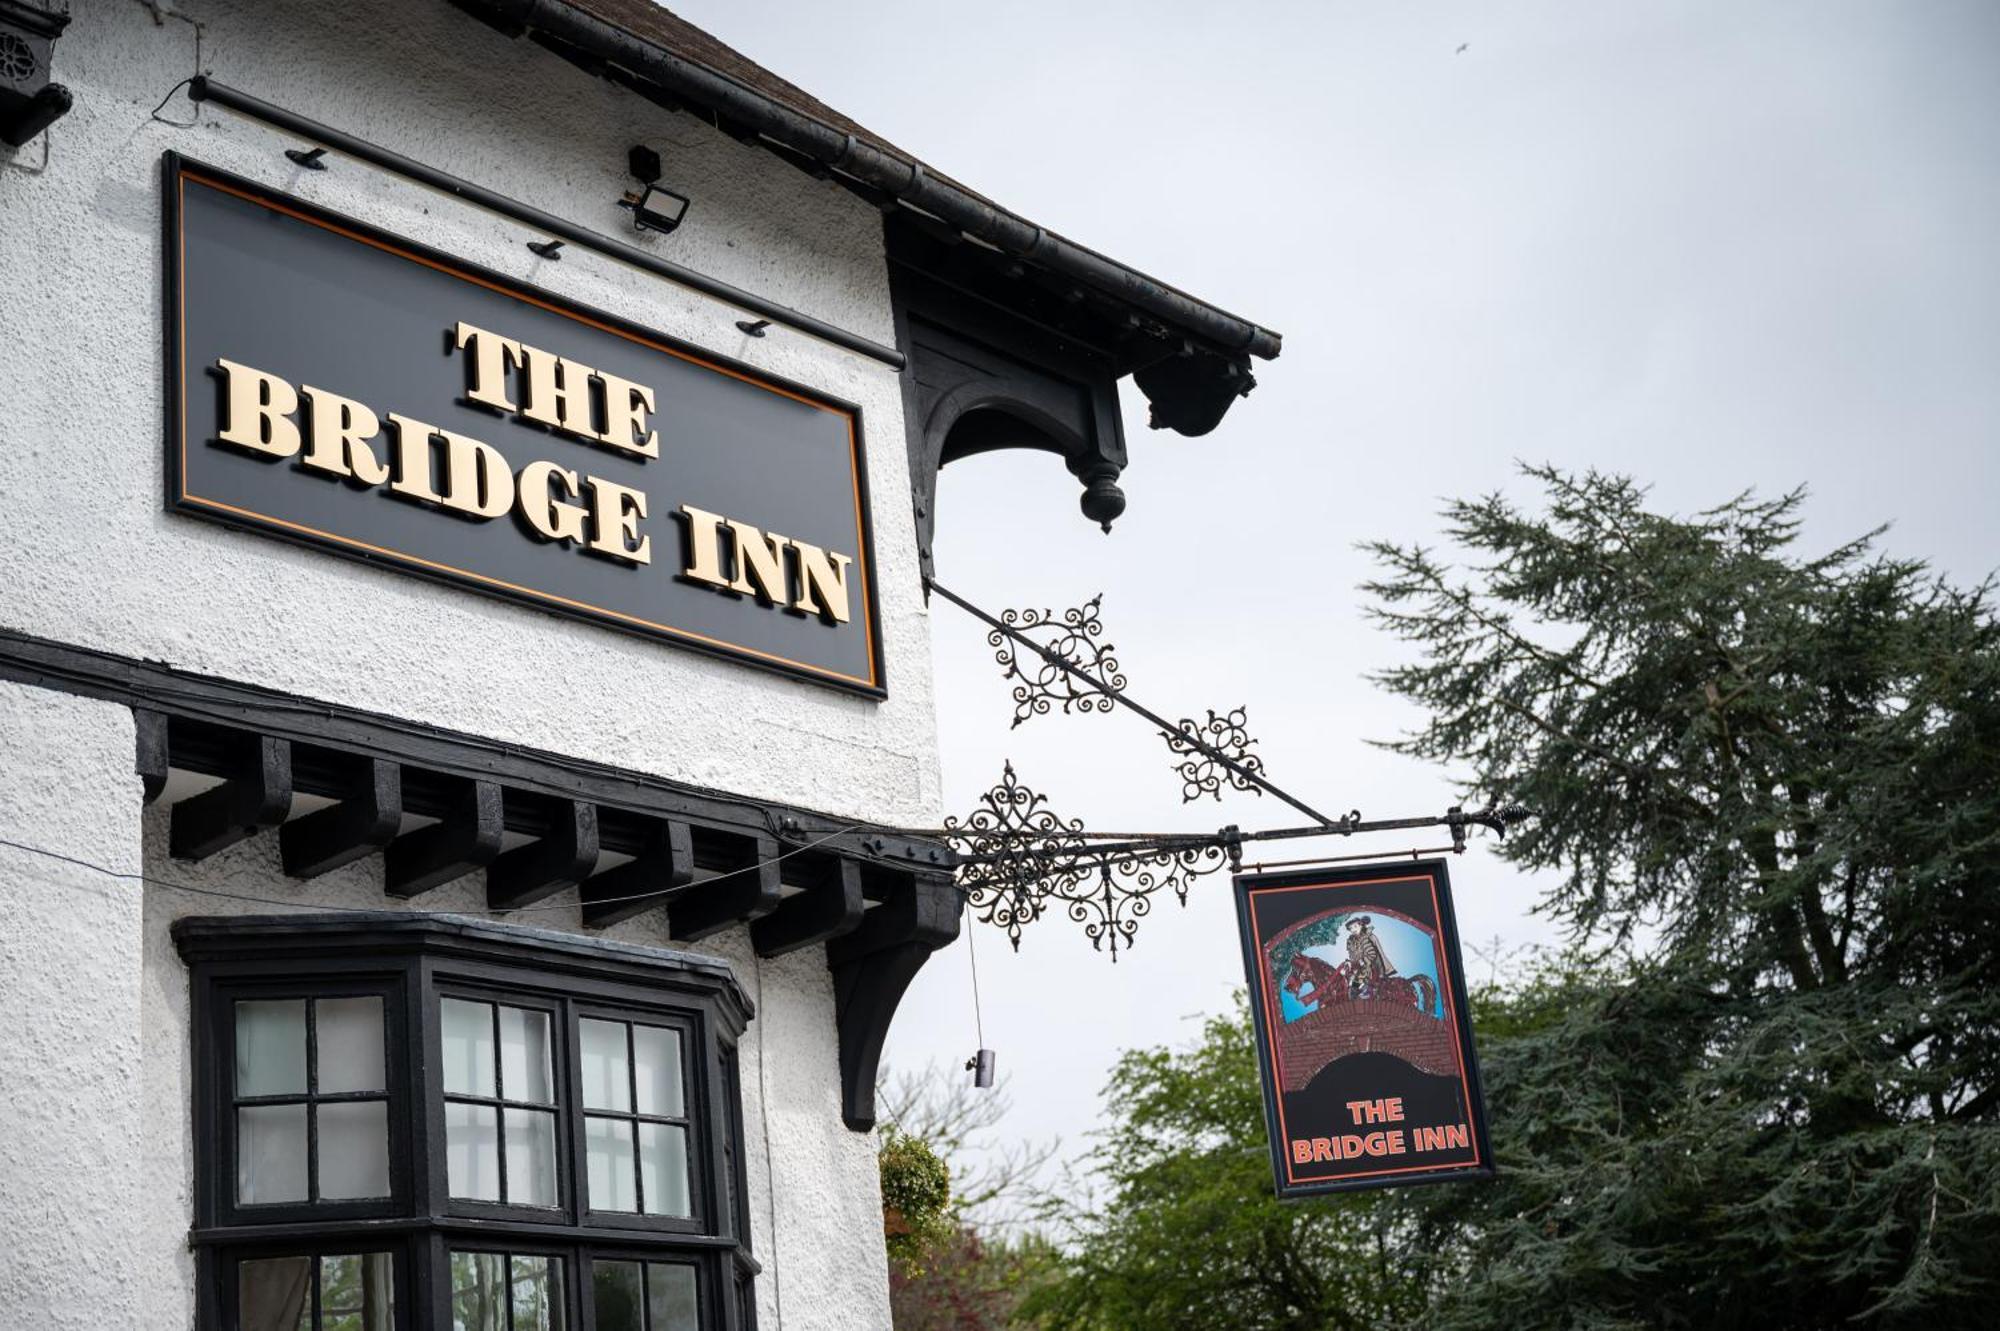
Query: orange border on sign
point(182, 174)
point(1271, 1025)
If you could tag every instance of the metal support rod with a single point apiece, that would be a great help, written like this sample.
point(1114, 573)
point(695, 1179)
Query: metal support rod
point(1497, 818)
point(1193, 741)
point(203, 89)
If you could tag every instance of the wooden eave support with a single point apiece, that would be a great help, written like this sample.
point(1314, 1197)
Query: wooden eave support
point(349, 829)
point(650, 880)
point(829, 907)
point(872, 966)
point(465, 839)
point(553, 863)
point(260, 795)
point(748, 889)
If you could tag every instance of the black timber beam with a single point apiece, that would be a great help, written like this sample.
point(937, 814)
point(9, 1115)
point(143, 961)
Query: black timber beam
point(349, 829)
point(829, 907)
point(154, 759)
point(466, 838)
point(207, 714)
point(872, 967)
point(257, 795)
point(663, 866)
point(749, 888)
point(550, 864)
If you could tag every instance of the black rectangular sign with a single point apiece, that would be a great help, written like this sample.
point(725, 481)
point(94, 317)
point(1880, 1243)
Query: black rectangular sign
point(335, 385)
point(1363, 1041)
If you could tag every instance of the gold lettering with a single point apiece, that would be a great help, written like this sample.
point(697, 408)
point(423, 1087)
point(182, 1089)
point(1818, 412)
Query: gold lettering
point(763, 555)
point(555, 520)
point(704, 546)
point(477, 481)
point(412, 454)
point(337, 440)
point(487, 383)
point(259, 410)
point(558, 392)
point(822, 582)
point(615, 511)
point(625, 408)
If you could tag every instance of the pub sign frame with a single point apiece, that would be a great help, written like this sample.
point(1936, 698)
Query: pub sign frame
point(1364, 1041)
point(715, 607)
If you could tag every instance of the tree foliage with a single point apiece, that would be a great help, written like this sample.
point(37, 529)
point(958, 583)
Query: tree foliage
point(1760, 1086)
point(1191, 1234)
point(1771, 785)
point(969, 1262)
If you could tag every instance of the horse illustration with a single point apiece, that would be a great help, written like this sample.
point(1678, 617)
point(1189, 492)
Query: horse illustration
point(1312, 981)
point(1310, 973)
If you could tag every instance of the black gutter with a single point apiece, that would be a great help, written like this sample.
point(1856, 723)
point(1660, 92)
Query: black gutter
point(203, 89)
point(903, 179)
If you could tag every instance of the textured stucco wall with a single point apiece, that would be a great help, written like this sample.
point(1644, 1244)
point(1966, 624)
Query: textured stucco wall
point(81, 269)
point(72, 1092)
point(107, 567)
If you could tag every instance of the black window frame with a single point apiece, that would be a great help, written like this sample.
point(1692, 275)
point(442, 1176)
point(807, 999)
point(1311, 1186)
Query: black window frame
point(414, 962)
point(705, 1199)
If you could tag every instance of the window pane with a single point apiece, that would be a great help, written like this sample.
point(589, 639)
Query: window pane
point(663, 1168)
point(357, 1292)
point(671, 1298)
point(608, 1145)
point(607, 1082)
point(271, 1048)
point(616, 1291)
point(538, 1300)
point(524, 1056)
point(478, 1291)
point(353, 1149)
point(274, 1294)
point(656, 1056)
point(472, 1151)
point(468, 1047)
point(348, 1035)
point(531, 1157)
point(270, 1154)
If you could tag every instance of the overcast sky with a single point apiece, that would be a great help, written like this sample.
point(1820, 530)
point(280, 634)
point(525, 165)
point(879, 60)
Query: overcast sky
point(1714, 245)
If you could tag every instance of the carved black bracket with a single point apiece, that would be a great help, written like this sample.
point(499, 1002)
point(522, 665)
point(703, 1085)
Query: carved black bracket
point(257, 794)
point(660, 869)
point(872, 966)
point(466, 837)
point(553, 863)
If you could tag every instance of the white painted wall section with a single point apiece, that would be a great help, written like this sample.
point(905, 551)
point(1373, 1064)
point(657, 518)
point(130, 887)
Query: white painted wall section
point(72, 1092)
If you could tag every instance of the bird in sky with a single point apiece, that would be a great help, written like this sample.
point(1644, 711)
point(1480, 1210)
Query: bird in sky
point(1462, 48)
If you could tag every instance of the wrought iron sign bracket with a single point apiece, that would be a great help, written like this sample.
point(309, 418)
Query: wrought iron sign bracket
point(1015, 855)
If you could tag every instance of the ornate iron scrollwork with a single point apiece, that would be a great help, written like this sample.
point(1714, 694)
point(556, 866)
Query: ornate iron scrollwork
point(1012, 843)
point(1018, 855)
point(1064, 645)
point(1198, 745)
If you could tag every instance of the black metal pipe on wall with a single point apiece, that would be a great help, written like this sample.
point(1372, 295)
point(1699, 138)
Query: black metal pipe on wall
point(204, 89)
point(903, 179)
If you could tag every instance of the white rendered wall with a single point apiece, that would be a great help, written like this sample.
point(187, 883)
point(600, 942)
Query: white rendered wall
point(81, 401)
point(91, 557)
point(72, 1092)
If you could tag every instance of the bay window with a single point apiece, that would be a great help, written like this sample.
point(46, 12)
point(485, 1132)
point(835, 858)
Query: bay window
point(407, 1122)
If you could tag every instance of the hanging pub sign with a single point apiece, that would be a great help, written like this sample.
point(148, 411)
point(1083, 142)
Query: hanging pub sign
point(339, 386)
point(1363, 1042)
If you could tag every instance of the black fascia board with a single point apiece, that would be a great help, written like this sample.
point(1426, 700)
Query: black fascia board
point(602, 48)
